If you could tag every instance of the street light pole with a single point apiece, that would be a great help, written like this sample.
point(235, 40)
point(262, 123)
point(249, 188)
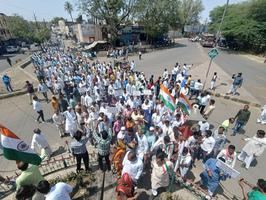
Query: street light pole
point(221, 23)
point(216, 42)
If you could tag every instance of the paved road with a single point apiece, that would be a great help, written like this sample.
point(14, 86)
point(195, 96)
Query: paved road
point(254, 72)
point(18, 115)
point(3, 63)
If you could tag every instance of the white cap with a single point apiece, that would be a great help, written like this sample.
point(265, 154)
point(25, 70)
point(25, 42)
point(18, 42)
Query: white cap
point(151, 128)
point(123, 128)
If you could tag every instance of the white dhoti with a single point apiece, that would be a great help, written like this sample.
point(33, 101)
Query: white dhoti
point(247, 159)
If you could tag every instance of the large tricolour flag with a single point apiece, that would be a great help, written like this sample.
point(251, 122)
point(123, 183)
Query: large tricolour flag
point(167, 98)
point(184, 104)
point(16, 149)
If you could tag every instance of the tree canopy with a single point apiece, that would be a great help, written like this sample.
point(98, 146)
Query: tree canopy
point(69, 9)
point(244, 23)
point(22, 29)
point(157, 16)
point(112, 12)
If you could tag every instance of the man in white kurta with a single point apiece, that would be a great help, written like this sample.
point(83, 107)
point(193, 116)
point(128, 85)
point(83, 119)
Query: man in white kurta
point(262, 117)
point(71, 122)
point(160, 173)
point(143, 145)
point(38, 140)
point(253, 148)
point(132, 165)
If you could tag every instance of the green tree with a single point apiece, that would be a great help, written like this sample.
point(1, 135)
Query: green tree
point(244, 24)
point(69, 9)
point(190, 12)
point(112, 13)
point(56, 19)
point(41, 35)
point(19, 27)
point(157, 16)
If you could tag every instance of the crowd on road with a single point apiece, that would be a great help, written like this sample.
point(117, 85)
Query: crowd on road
point(130, 120)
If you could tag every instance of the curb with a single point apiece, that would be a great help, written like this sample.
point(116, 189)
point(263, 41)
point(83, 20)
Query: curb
point(13, 94)
point(235, 99)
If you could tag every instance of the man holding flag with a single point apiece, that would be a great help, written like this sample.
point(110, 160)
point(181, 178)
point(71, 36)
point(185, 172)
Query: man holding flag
point(16, 149)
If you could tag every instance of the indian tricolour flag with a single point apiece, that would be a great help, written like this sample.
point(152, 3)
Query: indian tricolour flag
point(16, 149)
point(184, 104)
point(167, 98)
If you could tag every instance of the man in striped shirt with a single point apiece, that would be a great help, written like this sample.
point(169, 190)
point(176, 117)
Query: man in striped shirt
point(103, 141)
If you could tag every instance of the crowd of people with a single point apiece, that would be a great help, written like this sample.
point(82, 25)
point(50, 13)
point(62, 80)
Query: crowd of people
point(120, 112)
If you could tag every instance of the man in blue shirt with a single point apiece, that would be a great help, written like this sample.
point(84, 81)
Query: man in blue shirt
point(7, 81)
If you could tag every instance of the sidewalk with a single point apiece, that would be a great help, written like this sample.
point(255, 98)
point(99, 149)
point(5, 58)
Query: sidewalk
point(223, 83)
point(18, 77)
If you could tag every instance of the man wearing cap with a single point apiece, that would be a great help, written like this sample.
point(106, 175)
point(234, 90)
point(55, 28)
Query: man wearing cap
point(38, 140)
point(151, 137)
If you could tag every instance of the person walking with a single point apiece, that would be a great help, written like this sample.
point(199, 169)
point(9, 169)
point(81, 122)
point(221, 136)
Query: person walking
point(71, 121)
point(30, 90)
point(262, 118)
point(254, 147)
point(160, 176)
point(7, 82)
point(241, 119)
point(59, 120)
point(208, 111)
point(38, 140)
point(38, 108)
point(9, 61)
point(42, 88)
point(237, 83)
point(140, 54)
point(103, 145)
point(79, 150)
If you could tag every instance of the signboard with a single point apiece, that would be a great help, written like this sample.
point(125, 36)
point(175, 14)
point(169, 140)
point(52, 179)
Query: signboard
point(112, 110)
point(213, 53)
point(227, 169)
point(147, 92)
point(136, 93)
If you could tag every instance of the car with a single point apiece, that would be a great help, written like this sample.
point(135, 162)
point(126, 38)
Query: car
point(12, 49)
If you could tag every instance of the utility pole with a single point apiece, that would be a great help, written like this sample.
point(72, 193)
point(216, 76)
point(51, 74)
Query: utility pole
point(216, 42)
point(35, 19)
point(221, 23)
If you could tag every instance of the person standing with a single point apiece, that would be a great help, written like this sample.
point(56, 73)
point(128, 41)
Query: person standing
point(254, 147)
point(241, 118)
point(38, 140)
point(79, 150)
point(140, 54)
point(37, 106)
point(59, 120)
point(71, 121)
point(103, 145)
point(262, 117)
point(161, 170)
point(213, 81)
point(208, 111)
point(7, 82)
point(237, 83)
point(207, 146)
point(30, 90)
point(133, 166)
